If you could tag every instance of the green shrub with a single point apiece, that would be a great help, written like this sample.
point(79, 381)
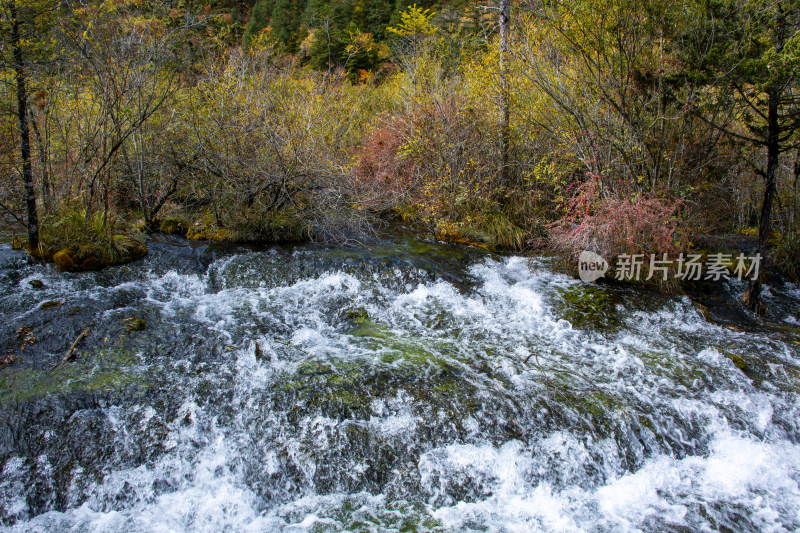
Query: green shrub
point(268, 227)
point(173, 226)
point(76, 242)
point(787, 255)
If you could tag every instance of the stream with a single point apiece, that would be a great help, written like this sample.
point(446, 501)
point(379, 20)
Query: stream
point(400, 385)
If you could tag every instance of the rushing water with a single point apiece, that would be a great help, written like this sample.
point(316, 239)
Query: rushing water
point(407, 386)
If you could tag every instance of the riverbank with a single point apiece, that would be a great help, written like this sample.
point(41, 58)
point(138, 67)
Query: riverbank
point(714, 298)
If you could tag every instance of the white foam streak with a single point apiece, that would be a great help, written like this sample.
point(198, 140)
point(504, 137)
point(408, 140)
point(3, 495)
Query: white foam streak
point(664, 367)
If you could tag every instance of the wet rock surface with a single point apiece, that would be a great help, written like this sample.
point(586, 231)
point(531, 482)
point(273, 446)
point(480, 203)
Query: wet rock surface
point(400, 384)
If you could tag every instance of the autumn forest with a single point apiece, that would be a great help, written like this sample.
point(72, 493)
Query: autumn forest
point(618, 126)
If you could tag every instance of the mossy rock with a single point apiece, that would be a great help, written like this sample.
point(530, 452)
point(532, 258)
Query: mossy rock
point(173, 226)
point(357, 316)
point(75, 259)
point(396, 515)
point(347, 389)
point(135, 324)
point(42, 253)
point(87, 257)
point(36, 283)
point(740, 363)
point(452, 234)
point(335, 389)
point(52, 304)
point(394, 347)
point(589, 306)
point(106, 369)
point(207, 234)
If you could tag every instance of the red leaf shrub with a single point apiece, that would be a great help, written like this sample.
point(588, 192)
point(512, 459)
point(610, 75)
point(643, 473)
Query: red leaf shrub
point(382, 174)
point(441, 157)
point(612, 226)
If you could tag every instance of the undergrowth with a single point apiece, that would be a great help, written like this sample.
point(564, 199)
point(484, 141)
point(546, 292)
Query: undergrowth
point(101, 239)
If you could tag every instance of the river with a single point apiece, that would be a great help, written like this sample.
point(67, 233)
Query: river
point(402, 385)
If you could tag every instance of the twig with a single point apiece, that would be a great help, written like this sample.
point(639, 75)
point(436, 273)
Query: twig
point(71, 352)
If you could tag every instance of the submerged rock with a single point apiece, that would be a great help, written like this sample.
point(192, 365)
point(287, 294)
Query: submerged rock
point(52, 304)
point(135, 324)
point(357, 316)
point(588, 306)
point(740, 363)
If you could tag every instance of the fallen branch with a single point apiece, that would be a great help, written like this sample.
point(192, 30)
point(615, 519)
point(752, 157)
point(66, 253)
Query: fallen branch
point(71, 352)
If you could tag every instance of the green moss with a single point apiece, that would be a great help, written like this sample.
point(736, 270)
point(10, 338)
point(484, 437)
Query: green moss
point(670, 366)
point(135, 324)
point(119, 250)
point(458, 234)
point(76, 242)
point(599, 404)
point(357, 316)
point(740, 363)
point(402, 516)
point(588, 306)
point(392, 347)
point(346, 389)
point(598, 409)
point(104, 370)
point(173, 226)
point(369, 328)
point(52, 304)
point(786, 329)
point(333, 388)
point(207, 233)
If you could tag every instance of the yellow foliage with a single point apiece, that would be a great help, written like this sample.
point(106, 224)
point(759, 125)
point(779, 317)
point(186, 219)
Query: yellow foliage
point(414, 21)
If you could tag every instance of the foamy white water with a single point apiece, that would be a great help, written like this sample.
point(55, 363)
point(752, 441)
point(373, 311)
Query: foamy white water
point(327, 391)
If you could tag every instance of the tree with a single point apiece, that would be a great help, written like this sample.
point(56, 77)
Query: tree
point(129, 69)
point(505, 113)
point(259, 19)
point(598, 73)
point(23, 23)
point(410, 38)
point(744, 57)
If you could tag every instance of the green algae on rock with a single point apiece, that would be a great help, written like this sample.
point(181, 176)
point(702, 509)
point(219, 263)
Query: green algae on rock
point(135, 324)
point(587, 306)
point(109, 368)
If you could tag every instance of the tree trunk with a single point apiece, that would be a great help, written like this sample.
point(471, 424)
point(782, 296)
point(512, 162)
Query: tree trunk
point(752, 297)
point(505, 129)
point(43, 181)
point(25, 141)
